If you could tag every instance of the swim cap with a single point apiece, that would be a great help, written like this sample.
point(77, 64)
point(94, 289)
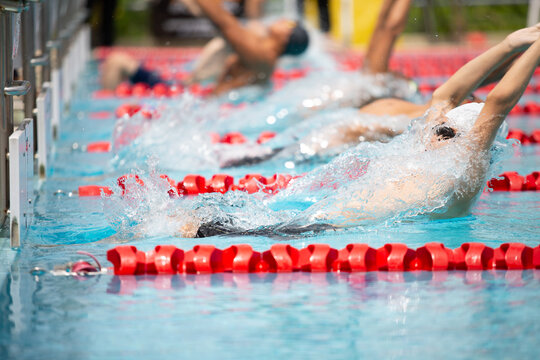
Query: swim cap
point(298, 41)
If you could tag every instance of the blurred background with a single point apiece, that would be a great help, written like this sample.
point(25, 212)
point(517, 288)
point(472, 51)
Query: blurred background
point(348, 22)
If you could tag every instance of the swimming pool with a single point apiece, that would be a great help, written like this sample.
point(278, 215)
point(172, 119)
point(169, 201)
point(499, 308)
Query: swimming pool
point(482, 314)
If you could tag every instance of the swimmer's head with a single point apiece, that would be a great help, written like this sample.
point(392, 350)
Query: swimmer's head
point(444, 132)
point(291, 36)
point(441, 133)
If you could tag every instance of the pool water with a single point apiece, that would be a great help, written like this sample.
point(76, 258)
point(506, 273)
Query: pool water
point(474, 314)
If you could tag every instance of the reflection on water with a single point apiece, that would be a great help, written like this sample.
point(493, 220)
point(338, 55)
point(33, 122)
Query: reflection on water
point(381, 314)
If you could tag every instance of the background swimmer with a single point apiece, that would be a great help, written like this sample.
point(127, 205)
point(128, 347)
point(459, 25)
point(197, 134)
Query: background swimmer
point(254, 56)
point(364, 126)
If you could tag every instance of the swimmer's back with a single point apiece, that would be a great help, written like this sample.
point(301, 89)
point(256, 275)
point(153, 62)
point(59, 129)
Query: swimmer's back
point(237, 74)
point(392, 107)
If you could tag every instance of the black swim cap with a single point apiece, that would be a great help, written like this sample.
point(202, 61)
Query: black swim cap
point(298, 41)
point(444, 132)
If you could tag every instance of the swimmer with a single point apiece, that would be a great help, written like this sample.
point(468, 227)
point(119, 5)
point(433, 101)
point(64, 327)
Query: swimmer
point(411, 191)
point(337, 136)
point(252, 61)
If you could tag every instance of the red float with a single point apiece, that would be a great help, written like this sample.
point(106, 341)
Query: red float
point(168, 259)
point(124, 259)
point(532, 181)
point(94, 190)
point(396, 257)
point(123, 90)
point(281, 258)
point(233, 138)
point(192, 185)
point(127, 110)
point(241, 258)
point(510, 181)
point(536, 257)
point(434, 256)
point(140, 90)
point(473, 256)
point(203, 259)
point(265, 136)
point(98, 146)
point(161, 90)
point(512, 256)
point(220, 183)
point(317, 258)
point(356, 257)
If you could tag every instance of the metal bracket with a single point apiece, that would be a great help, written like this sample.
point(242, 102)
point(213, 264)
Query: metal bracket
point(40, 61)
point(21, 174)
point(53, 44)
point(13, 6)
point(17, 87)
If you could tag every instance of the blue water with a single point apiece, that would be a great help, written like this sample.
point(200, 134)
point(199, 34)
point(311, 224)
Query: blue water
point(487, 314)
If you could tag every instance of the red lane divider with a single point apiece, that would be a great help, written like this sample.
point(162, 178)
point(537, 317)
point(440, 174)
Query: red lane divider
point(207, 259)
point(232, 138)
point(98, 146)
point(525, 139)
point(141, 90)
point(194, 184)
point(512, 181)
point(100, 115)
point(94, 190)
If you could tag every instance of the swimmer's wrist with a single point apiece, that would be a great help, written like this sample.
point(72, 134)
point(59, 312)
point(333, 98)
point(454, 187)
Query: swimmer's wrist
point(508, 46)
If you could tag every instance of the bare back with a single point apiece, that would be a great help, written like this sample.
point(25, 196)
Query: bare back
point(237, 74)
point(392, 107)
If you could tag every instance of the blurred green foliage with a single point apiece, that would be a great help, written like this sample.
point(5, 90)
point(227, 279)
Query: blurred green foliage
point(130, 21)
point(445, 19)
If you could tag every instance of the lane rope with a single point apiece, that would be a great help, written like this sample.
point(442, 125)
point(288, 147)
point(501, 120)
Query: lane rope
point(208, 259)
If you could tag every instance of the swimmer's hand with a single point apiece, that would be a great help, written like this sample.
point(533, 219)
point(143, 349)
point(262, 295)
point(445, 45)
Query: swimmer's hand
point(521, 39)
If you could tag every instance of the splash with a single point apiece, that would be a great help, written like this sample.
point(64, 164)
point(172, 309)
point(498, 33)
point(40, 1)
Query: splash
point(180, 136)
point(321, 90)
point(372, 184)
point(332, 132)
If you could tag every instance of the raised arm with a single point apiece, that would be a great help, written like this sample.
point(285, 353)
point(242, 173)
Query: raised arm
point(251, 47)
point(472, 74)
point(390, 24)
point(505, 96)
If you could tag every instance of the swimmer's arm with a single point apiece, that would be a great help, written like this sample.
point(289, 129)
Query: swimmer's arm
point(505, 96)
point(247, 45)
point(472, 74)
point(390, 24)
point(499, 72)
point(254, 8)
